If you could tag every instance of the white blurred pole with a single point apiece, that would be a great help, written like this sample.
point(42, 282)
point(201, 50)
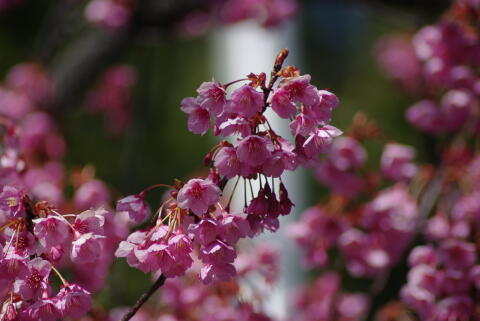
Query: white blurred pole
point(236, 51)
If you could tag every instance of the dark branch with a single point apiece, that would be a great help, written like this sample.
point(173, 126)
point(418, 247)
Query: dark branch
point(144, 297)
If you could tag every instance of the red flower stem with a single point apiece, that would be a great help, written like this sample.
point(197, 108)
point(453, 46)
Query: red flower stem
point(65, 283)
point(251, 188)
point(148, 189)
point(231, 195)
point(160, 210)
point(234, 82)
point(9, 224)
point(244, 193)
point(144, 298)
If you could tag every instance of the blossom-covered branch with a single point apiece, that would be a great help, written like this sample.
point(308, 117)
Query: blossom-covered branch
point(195, 216)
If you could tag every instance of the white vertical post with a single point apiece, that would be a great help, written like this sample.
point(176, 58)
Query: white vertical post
point(236, 51)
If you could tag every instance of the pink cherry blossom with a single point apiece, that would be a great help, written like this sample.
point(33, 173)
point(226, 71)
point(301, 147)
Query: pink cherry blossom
point(321, 111)
point(217, 252)
point(352, 306)
point(457, 254)
point(11, 204)
point(86, 248)
point(303, 125)
point(347, 154)
point(281, 159)
point(396, 162)
point(275, 165)
point(90, 221)
point(179, 247)
point(127, 248)
point(212, 97)
point(425, 277)
point(300, 90)
point(319, 140)
point(44, 309)
point(424, 254)
point(205, 231)
point(92, 193)
point(217, 272)
point(233, 227)
point(197, 195)
point(259, 205)
point(253, 150)
point(107, 13)
point(34, 282)
point(73, 301)
point(51, 231)
point(24, 245)
point(135, 206)
point(10, 313)
point(237, 125)
point(227, 162)
point(198, 117)
point(425, 115)
point(246, 101)
point(282, 104)
point(456, 107)
point(154, 257)
point(199, 121)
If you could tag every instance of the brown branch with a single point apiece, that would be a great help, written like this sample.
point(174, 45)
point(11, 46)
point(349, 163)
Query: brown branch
point(144, 297)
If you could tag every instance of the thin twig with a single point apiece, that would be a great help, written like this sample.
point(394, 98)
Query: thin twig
point(144, 297)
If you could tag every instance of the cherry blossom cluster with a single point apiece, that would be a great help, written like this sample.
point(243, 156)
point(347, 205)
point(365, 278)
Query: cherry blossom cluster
point(324, 300)
point(439, 63)
point(239, 299)
point(37, 241)
point(33, 249)
point(445, 271)
point(114, 14)
point(113, 97)
point(344, 170)
point(52, 260)
point(32, 146)
point(268, 13)
point(397, 58)
point(195, 216)
point(371, 246)
point(362, 229)
point(370, 227)
point(430, 225)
